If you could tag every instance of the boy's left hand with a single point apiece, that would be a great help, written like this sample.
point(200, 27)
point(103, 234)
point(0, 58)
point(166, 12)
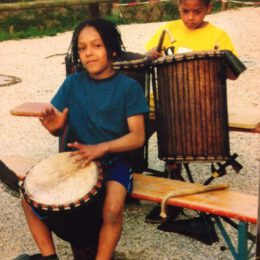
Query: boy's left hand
point(87, 153)
point(153, 54)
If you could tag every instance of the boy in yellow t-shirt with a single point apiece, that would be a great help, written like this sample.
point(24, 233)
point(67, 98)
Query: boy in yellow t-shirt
point(190, 33)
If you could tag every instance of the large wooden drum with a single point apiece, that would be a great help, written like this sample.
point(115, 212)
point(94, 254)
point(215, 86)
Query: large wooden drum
point(191, 106)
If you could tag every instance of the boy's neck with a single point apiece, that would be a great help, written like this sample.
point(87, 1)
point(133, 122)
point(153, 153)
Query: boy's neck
point(202, 25)
point(103, 77)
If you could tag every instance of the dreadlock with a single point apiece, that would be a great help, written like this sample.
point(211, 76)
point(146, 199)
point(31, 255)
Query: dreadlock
point(108, 33)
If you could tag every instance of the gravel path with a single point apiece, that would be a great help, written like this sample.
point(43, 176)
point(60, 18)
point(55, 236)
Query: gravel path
point(25, 137)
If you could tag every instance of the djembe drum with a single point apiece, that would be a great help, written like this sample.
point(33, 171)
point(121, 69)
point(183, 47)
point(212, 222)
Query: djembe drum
point(68, 198)
point(137, 66)
point(134, 65)
point(191, 106)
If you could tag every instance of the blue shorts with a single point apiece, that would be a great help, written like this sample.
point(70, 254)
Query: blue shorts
point(119, 169)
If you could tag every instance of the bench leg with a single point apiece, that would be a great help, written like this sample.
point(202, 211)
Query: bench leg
point(242, 251)
point(242, 240)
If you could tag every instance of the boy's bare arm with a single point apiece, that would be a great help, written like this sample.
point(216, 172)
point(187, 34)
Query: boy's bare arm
point(133, 140)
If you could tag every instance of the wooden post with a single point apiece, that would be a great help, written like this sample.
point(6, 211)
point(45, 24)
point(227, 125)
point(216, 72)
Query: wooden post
point(48, 4)
point(224, 5)
point(94, 10)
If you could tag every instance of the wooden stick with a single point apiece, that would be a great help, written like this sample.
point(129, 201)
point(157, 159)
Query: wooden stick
point(191, 191)
point(160, 44)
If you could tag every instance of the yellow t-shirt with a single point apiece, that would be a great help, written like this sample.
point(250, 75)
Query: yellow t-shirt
point(186, 40)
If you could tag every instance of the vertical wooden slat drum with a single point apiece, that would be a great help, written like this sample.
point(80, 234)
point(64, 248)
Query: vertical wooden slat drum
point(191, 107)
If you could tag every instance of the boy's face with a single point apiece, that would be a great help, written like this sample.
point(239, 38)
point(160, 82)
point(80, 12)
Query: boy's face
point(192, 12)
point(93, 54)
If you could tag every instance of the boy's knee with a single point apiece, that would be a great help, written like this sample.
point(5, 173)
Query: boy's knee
point(112, 214)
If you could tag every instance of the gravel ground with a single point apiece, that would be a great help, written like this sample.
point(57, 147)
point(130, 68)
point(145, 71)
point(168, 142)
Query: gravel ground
point(25, 137)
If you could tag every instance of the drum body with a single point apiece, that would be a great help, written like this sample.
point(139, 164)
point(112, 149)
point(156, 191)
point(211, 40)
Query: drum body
point(136, 66)
point(69, 199)
point(191, 107)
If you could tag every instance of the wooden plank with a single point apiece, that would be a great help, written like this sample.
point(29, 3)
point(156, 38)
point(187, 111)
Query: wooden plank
point(19, 165)
point(244, 118)
point(246, 130)
point(33, 109)
point(47, 4)
point(226, 203)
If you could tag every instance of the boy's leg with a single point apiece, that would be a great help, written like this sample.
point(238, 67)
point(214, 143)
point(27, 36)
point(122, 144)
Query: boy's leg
point(40, 232)
point(112, 220)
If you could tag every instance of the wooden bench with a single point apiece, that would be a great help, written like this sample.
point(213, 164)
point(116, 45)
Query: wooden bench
point(226, 203)
point(221, 204)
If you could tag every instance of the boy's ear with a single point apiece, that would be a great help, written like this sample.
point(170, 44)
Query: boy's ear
point(114, 54)
point(209, 8)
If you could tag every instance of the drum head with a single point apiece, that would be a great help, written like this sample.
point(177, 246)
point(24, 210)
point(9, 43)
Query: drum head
point(57, 180)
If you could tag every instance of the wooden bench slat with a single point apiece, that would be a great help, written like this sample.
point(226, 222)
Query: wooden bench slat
point(226, 203)
point(19, 165)
point(244, 118)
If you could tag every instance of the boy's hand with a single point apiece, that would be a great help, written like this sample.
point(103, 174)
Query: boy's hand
point(87, 153)
point(53, 120)
point(153, 54)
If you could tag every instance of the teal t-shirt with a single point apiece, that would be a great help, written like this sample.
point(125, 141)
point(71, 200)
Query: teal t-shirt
point(98, 109)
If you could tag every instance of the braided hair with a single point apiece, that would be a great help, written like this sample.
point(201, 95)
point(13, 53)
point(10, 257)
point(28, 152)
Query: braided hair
point(109, 34)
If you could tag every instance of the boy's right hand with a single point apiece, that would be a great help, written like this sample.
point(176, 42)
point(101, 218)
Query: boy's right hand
point(54, 120)
point(153, 54)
